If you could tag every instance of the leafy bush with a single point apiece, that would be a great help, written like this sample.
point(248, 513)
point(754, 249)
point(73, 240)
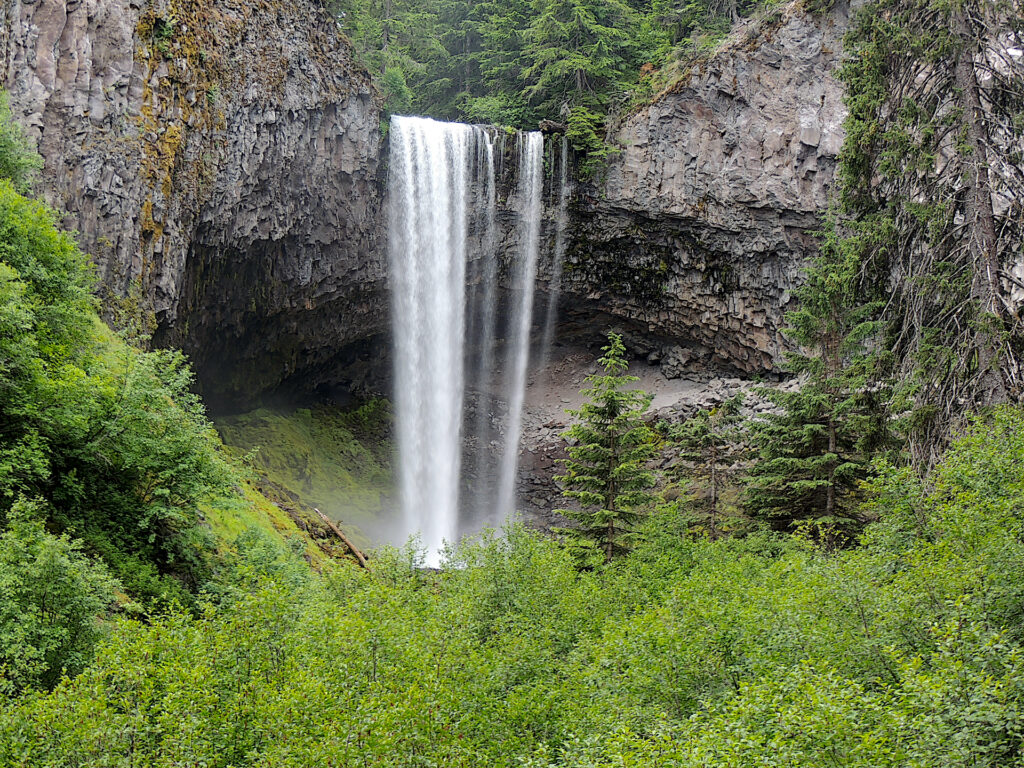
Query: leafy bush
point(52, 596)
point(19, 162)
point(397, 96)
point(109, 436)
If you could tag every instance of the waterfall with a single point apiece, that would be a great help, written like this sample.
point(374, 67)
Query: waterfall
point(530, 207)
point(478, 510)
point(448, 293)
point(427, 243)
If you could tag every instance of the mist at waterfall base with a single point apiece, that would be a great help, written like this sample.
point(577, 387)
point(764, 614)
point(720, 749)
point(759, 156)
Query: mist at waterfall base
point(466, 205)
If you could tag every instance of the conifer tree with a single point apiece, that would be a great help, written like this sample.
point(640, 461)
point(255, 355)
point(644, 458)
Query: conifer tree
point(609, 447)
point(932, 170)
point(708, 444)
point(579, 51)
point(813, 451)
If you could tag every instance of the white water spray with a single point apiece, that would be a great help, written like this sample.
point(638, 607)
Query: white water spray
point(529, 202)
point(484, 331)
point(442, 179)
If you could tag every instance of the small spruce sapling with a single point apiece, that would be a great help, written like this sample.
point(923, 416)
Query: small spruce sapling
point(609, 448)
point(709, 446)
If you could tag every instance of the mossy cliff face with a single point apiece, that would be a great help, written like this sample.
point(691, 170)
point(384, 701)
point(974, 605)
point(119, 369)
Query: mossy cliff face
point(220, 162)
point(698, 231)
point(324, 457)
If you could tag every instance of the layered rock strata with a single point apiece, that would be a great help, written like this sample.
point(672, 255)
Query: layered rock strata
point(699, 231)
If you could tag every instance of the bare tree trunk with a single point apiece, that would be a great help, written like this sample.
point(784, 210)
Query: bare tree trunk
point(714, 490)
point(386, 36)
point(830, 492)
point(981, 229)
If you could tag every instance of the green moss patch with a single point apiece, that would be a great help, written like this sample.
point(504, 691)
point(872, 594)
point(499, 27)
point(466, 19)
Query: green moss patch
point(336, 460)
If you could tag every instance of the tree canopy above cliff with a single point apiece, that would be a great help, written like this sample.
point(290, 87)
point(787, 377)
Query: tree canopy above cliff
point(519, 61)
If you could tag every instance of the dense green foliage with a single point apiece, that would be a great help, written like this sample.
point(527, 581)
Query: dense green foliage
point(108, 466)
point(52, 595)
point(109, 439)
point(520, 61)
point(609, 447)
point(115, 496)
point(758, 651)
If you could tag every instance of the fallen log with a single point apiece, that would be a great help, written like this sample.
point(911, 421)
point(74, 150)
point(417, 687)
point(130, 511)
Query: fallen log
point(345, 539)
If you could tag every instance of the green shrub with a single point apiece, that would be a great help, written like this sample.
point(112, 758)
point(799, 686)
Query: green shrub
point(112, 438)
point(766, 650)
point(397, 96)
point(19, 162)
point(53, 597)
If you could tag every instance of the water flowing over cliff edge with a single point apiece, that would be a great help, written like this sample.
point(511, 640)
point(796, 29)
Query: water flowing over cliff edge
point(227, 175)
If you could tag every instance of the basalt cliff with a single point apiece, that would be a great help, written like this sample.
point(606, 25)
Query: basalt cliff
point(220, 161)
point(698, 234)
point(223, 163)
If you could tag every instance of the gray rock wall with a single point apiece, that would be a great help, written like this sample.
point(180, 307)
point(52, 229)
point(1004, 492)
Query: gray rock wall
point(699, 231)
point(220, 161)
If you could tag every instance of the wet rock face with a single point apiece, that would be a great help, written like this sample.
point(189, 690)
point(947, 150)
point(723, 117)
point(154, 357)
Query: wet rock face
point(220, 161)
point(699, 230)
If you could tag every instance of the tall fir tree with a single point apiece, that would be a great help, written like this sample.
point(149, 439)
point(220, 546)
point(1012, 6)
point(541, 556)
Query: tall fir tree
point(812, 452)
point(932, 171)
point(609, 447)
point(578, 51)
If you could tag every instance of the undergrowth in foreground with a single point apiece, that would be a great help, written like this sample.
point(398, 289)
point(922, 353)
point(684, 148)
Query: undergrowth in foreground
point(904, 651)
